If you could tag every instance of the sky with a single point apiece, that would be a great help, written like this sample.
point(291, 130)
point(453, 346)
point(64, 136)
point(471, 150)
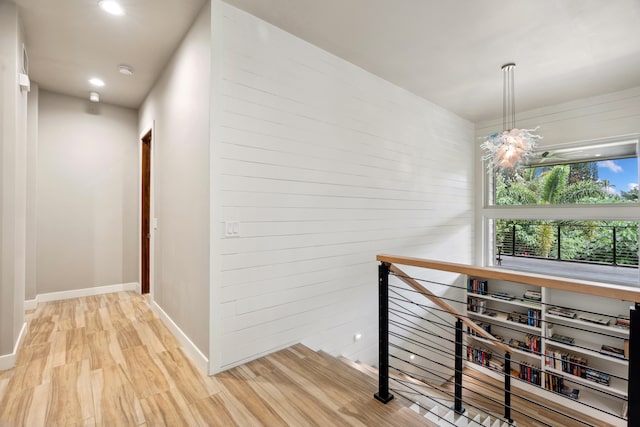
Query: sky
point(622, 173)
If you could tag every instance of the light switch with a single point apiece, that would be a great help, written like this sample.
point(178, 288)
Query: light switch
point(155, 223)
point(232, 229)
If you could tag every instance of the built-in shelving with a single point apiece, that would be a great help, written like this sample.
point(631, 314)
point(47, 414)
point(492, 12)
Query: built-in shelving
point(587, 325)
point(588, 338)
point(582, 347)
point(506, 323)
point(514, 301)
point(592, 384)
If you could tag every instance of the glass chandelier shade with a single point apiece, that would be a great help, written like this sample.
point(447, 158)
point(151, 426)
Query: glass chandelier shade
point(512, 147)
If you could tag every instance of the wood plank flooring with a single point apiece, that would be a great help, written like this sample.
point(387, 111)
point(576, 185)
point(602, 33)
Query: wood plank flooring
point(107, 360)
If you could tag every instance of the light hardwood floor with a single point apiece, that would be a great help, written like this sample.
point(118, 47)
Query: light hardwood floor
point(109, 361)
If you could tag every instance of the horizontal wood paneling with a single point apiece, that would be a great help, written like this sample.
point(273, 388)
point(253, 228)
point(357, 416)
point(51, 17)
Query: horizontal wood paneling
point(584, 119)
point(324, 165)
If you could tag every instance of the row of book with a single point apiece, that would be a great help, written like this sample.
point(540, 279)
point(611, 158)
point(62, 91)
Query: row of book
point(483, 357)
point(479, 356)
point(556, 383)
point(531, 318)
point(566, 362)
point(532, 295)
point(530, 374)
point(532, 344)
point(485, 326)
point(476, 305)
point(598, 377)
point(621, 321)
point(477, 286)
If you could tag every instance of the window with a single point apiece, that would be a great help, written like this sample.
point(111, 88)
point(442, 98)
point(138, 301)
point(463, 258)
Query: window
point(596, 174)
point(574, 212)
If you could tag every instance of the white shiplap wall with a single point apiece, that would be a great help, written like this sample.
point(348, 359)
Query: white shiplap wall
point(324, 165)
point(604, 116)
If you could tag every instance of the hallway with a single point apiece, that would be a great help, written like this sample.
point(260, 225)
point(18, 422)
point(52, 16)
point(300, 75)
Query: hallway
point(107, 360)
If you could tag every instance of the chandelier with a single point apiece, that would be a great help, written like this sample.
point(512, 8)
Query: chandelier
point(512, 147)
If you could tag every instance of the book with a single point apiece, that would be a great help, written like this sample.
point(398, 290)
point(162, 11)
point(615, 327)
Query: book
point(622, 323)
point(612, 351)
point(597, 376)
point(518, 317)
point(626, 349)
point(563, 312)
point(503, 295)
point(532, 295)
point(572, 393)
point(476, 305)
point(594, 319)
point(477, 286)
point(563, 339)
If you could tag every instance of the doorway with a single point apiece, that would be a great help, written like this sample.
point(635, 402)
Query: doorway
point(145, 235)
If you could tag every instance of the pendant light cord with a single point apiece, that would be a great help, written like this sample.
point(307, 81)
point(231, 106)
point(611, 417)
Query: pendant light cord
point(508, 97)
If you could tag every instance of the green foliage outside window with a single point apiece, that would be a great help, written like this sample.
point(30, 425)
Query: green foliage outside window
point(578, 183)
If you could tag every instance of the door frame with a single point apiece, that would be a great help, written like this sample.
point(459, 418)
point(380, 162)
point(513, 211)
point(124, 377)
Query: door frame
point(148, 133)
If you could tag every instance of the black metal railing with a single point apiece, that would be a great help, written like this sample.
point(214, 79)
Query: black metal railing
point(429, 329)
point(594, 242)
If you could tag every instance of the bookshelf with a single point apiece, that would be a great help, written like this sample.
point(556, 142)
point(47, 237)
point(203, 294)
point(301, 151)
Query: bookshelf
point(600, 380)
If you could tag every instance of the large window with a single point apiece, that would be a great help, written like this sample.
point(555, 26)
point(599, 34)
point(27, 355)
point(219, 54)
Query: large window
point(573, 211)
point(598, 174)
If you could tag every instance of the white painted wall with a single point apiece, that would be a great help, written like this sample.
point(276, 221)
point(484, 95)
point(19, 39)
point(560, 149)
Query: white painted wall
point(13, 131)
point(87, 198)
point(32, 185)
point(611, 115)
point(324, 166)
point(177, 108)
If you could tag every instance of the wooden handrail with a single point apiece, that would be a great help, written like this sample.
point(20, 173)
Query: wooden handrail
point(448, 308)
point(607, 290)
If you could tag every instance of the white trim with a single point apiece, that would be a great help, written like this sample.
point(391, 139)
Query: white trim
point(215, 211)
point(30, 304)
point(78, 293)
point(196, 355)
point(8, 361)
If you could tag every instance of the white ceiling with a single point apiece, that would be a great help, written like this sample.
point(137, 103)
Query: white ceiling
point(69, 41)
point(449, 52)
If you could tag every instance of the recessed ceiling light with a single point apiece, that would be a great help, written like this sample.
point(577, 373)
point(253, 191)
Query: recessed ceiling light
point(111, 6)
point(96, 82)
point(598, 155)
point(126, 70)
point(94, 97)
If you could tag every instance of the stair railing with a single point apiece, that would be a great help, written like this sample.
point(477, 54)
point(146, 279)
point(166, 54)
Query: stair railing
point(442, 305)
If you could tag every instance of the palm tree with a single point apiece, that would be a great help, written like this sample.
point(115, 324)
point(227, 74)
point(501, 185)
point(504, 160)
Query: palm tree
point(607, 187)
point(554, 183)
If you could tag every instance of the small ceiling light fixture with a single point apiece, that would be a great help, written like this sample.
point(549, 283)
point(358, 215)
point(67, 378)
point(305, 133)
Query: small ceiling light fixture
point(111, 6)
point(96, 82)
point(512, 147)
point(94, 97)
point(127, 70)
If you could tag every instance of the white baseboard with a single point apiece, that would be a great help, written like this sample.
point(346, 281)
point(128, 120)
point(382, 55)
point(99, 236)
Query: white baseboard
point(199, 359)
point(8, 361)
point(78, 293)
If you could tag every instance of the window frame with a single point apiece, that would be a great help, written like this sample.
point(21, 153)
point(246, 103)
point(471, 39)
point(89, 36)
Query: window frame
point(606, 211)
